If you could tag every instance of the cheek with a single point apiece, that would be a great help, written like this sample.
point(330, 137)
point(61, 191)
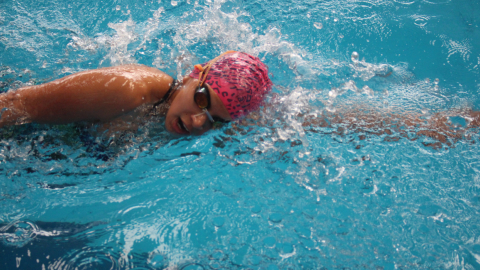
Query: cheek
point(175, 109)
point(181, 104)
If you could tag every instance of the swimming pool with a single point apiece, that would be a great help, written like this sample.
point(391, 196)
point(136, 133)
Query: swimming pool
point(272, 193)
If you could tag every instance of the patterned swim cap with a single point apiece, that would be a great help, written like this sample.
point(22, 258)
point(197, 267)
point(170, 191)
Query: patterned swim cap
point(240, 80)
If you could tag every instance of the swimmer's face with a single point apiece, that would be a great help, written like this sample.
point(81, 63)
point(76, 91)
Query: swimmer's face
point(184, 117)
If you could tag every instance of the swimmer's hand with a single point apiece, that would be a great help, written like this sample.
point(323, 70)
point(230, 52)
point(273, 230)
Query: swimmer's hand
point(96, 95)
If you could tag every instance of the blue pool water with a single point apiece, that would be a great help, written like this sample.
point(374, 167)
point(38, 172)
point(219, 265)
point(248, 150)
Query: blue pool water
point(271, 193)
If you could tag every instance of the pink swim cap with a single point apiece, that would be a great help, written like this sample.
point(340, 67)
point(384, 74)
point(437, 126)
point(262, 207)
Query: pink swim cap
point(240, 80)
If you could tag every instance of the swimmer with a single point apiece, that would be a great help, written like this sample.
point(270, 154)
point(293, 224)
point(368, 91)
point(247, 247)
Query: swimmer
point(224, 89)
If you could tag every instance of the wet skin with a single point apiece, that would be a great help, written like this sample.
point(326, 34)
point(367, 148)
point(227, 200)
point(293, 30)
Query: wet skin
point(105, 94)
point(98, 95)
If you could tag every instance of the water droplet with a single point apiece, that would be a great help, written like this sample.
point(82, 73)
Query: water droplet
point(436, 81)
point(215, 265)
point(355, 56)
point(157, 261)
point(287, 248)
point(318, 25)
point(218, 221)
point(217, 255)
point(193, 266)
point(427, 80)
point(255, 260)
point(275, 217)
point(256, 209)
point(341, 36)
point(174, 3)
point(118, 7)
point(335, 20)
point(308, 15)
point(233, 240)
point(272, 267)
point(269, 242)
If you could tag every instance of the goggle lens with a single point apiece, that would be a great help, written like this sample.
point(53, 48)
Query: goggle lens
point(202, 97)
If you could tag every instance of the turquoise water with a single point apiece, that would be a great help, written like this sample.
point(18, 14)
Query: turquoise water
point(270, 193)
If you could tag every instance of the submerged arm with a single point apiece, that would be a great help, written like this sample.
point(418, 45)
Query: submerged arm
point(95, 95)
point(409, 125)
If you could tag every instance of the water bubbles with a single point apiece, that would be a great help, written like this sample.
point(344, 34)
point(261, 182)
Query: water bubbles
point(333, 93)
point(367, 90)
point(18, 233)
point(174, 3)
point(436, 87)
point(335, 20)
point(118, 7)
point(354, 56)
point(157, 260)
point(318, 25)
point(350, 85)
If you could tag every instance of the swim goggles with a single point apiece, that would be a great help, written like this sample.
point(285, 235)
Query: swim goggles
point(202, 95)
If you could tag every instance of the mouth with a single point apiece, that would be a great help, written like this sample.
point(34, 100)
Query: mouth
point(181, 127)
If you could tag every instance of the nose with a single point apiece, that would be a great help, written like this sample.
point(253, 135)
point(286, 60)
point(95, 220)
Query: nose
point(199, 120)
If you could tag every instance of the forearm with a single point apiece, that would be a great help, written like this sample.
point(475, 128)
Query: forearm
point(96, 95)
point(395, 125)
point(11, 110)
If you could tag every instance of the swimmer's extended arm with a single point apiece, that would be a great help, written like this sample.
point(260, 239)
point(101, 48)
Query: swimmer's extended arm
point(95, 95)
point(408, 125)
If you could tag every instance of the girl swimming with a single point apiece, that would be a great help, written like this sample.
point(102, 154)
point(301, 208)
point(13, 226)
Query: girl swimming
point(224, 89)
